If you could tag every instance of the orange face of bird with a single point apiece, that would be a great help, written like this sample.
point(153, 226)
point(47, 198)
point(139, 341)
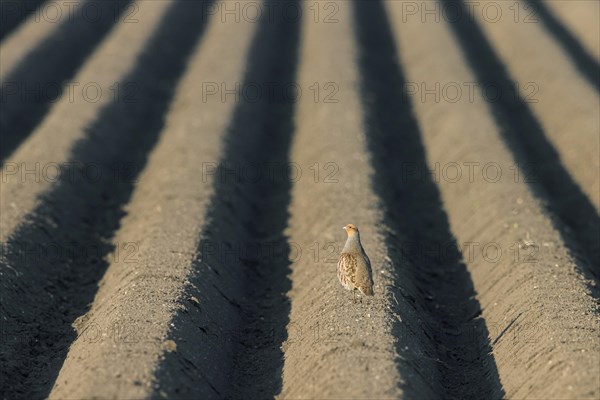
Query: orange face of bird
point(350, 229)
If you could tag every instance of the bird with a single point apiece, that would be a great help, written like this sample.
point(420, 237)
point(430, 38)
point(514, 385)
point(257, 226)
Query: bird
point(354, 267)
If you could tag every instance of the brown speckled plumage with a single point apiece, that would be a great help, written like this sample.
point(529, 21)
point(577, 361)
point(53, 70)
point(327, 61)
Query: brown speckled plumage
point(354, 266)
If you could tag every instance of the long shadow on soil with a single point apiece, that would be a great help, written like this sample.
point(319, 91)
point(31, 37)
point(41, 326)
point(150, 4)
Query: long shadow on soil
point(36, 83)
point(55, 259)
point(420, 227)
point(572, 213)
point(241, 273)
point(12, 12)
point(586, 64)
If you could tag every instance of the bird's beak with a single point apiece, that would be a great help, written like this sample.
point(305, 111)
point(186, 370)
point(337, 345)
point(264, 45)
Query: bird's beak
point(343, 227)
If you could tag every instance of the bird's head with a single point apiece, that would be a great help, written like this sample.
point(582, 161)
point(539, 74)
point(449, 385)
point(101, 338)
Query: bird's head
point(351, 230)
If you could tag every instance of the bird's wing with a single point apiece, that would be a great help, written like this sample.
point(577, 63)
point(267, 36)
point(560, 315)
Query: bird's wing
point(363, 272)
point(368, 261)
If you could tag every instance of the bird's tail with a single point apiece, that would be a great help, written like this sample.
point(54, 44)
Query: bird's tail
point(366, 290)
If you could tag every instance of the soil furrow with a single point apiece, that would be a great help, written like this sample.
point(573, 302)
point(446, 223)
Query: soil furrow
point(39, 161)
point(13, 12)
point(29, 36)
point(572, 212)
point(374, 348)
point(124, 341)
point(417, 220)
point(37, 81)
point(538, 311)
point(247, 217)
point(177, 236)
point(580, 17)
point(586, 63)
point(555, 93)
point(78, 219)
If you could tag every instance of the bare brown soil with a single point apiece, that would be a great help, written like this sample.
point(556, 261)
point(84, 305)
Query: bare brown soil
point(188, 247)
